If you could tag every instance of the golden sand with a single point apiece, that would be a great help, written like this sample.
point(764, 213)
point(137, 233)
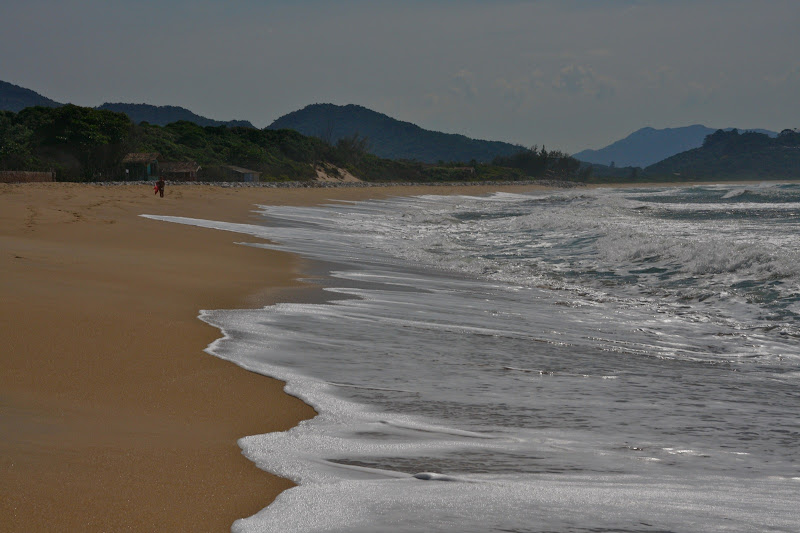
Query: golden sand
point(112, 417)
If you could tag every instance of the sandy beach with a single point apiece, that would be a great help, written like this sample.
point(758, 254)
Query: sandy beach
point(112, 415)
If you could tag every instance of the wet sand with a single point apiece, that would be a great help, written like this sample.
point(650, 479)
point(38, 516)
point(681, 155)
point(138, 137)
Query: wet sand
point(112, 417)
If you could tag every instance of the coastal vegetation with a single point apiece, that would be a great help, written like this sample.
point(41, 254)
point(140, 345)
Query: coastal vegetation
point(167, 114)
point(77, 142)
point(87, 144)
point(540, 162)
point(732, 155)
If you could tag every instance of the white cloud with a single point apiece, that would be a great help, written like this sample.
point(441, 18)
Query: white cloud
point(521, 93)
point(580, 79)
point(464, 84)
point(662, 77)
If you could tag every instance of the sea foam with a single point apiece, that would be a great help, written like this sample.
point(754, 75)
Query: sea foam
point(568, 361)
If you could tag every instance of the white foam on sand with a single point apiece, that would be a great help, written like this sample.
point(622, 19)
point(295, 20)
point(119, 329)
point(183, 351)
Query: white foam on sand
point(470, 403)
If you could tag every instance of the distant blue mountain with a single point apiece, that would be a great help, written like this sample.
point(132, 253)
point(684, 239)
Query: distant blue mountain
point(646, 146)
point(390, 138)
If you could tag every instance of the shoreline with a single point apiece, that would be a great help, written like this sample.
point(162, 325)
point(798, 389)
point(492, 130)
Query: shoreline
point(113, 415)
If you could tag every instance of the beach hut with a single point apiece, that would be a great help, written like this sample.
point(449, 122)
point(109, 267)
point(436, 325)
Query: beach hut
point(141, 165)
point(179, 170)
point(242, 174)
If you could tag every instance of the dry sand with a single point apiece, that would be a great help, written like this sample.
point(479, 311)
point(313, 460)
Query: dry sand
point(111, 415)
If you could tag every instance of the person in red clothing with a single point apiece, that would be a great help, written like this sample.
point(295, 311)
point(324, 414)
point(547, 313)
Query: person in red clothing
point(160, 187)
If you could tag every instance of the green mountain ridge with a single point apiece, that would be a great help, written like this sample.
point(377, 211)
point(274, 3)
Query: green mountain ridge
point(731, 155)
point(89, 143)
point(15, 98)
point(647, 146)
point(167, 114)
point(388, 137)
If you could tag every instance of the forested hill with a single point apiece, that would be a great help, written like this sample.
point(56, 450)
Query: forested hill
point(647, 146)
point(15, 98)
point(87, 144)
point(167, 114)
point(388, 137)
point(730, 155)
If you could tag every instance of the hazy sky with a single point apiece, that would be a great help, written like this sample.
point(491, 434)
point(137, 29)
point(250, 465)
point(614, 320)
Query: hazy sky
point(569, 74)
